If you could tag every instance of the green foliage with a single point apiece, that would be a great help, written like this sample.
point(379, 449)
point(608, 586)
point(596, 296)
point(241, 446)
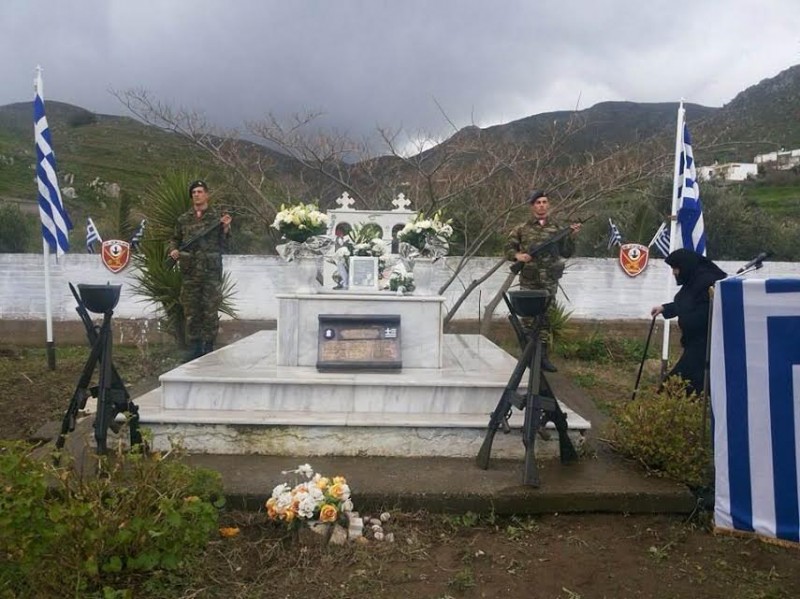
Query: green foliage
point(160, 283)
point(17, 230)
point(143, 513)
point(663, 431)
point(558, 317)
point(604, 349)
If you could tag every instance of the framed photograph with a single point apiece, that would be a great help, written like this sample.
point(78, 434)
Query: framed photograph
point(363, 272)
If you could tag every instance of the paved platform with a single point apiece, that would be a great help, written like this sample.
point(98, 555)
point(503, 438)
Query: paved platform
point(600, 482)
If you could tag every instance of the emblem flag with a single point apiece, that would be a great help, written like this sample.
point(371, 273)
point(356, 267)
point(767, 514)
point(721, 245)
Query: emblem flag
point(116, 254)
point(633, 258)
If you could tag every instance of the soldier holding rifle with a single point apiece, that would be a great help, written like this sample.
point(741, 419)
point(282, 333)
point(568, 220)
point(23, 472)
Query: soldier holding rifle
point(197, 243)
point(543, 270)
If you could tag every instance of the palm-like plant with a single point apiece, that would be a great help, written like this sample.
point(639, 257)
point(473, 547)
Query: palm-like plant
point(161, 284)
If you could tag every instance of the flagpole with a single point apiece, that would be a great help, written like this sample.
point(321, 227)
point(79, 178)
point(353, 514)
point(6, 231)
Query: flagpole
point(672, 230)
point(48, 309)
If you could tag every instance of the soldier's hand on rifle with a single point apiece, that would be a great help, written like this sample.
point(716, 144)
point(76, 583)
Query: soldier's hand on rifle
point(575, 228)
point(175, 254)
point(522, 257)
point(226, 222)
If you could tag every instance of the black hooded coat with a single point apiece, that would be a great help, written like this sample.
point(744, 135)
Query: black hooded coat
point(691, 305)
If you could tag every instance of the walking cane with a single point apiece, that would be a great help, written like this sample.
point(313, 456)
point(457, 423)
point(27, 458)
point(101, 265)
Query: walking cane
point(644, 357)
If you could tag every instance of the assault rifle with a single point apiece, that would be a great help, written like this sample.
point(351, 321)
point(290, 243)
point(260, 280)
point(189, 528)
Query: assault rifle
point(169, 262)
point(536, 248)
point(538, 402)
point(112, 396)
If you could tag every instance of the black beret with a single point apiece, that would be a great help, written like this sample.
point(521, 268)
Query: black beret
point(535, 195)
point(195, 184)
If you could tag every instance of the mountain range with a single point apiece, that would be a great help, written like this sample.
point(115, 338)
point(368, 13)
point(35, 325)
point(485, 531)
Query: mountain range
point(761, 118)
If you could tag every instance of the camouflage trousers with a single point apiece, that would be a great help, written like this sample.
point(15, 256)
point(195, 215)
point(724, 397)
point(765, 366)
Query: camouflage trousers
point(200, 297)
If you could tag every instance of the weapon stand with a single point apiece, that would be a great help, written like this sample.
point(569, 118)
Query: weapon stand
point(539, 402)
point(112, 396)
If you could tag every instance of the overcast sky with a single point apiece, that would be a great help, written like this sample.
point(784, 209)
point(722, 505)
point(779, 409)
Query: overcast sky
point(381, 62)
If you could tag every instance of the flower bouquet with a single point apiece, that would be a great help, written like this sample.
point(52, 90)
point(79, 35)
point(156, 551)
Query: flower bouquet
point(401, 280)
point(426, 237)
point(320, 502)
point(301, 222)
point(304, 227)
point(361, 240)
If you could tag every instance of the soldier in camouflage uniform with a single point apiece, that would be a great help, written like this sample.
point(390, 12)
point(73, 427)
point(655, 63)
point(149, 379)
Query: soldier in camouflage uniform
point(545, 269)
point(201, 266)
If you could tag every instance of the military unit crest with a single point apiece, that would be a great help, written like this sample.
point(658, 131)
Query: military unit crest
point(114, 253)
point(634, 257)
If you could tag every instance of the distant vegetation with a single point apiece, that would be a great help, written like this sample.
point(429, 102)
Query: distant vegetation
point(96, 153)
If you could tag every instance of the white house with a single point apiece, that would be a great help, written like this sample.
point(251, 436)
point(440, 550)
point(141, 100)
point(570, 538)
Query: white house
point(784, 159)
point(730, 171)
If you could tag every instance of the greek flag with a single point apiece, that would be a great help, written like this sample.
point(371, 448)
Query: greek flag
point(55, 221)
point(137, 235)
point(690, 231)
point(91, 236)
point(755, 397)
point(661, 240)
point(614, 236)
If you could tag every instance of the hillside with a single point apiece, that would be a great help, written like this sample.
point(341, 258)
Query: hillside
point(122, 150)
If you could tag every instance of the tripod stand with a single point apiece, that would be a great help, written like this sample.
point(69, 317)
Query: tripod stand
point(539, 402)
point(112, 396)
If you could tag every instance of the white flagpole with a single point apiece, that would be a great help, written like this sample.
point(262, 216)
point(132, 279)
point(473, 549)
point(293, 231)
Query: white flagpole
point(51, 351)
point(676, 183)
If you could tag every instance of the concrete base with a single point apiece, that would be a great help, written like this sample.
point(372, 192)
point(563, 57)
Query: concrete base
point(237, 400)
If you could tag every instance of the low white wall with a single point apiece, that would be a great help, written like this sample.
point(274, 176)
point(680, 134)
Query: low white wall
point(596, 287)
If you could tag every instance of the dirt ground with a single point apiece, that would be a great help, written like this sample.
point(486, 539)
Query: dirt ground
point(434, 556)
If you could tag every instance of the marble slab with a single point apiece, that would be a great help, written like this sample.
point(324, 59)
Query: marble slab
point(239, 400)
point(420, 324)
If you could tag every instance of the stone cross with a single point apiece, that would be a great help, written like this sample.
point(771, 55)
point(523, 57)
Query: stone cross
point(345, 201)
point(400, 202)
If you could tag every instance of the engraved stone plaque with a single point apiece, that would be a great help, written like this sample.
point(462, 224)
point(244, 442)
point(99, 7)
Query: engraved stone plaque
point(366, 342)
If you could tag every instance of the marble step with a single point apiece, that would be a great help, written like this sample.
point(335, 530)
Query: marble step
point(301, 433)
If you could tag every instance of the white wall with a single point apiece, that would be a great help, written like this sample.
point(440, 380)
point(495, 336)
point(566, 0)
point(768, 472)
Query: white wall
point(596, 287)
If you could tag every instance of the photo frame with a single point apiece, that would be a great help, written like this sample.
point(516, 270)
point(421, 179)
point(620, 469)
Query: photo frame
point(363, 273)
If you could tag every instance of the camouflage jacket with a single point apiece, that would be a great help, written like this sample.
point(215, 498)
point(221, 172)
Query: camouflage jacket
point(189, 226)
point(549, 264)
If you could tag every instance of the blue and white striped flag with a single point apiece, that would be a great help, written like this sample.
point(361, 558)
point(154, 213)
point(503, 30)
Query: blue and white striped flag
point(614, 236)
point(55, 221)
point(661, 240)
point(690, 230)
point(138, 234)
point(755, 397)
point(92, 236)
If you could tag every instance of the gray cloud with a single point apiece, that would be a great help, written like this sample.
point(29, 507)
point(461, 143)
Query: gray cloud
point(380, 62)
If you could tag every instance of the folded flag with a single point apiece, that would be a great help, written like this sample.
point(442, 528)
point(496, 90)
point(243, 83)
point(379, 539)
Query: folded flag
point(92, 236)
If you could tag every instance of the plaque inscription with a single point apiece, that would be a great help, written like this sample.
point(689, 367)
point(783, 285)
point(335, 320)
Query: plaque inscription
point(354, 342)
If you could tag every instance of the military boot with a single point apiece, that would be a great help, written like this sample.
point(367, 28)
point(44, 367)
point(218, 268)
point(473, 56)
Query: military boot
point(547, 365)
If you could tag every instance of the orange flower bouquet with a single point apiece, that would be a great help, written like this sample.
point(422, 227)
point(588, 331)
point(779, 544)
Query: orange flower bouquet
point(317, 500)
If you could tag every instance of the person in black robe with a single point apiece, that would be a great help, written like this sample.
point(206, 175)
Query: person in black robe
point(695, 274)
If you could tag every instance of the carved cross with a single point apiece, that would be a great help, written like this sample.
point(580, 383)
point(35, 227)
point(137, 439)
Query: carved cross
point(345, 201)
point(400, 202)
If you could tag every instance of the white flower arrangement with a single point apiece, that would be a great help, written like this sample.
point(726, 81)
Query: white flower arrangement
point(401, 280)
point(318, 498)
point(359, 241)
point(416, 231)
point(300, 222)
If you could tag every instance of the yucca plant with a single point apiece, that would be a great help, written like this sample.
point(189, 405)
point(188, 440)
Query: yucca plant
point(163, 203)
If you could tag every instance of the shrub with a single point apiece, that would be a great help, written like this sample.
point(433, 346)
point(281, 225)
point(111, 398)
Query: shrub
point(143, 513)
point(663, 431)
